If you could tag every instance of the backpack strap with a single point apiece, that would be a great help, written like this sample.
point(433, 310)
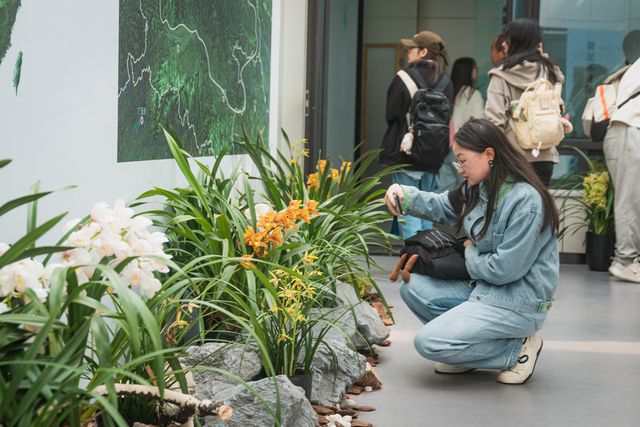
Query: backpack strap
point(411, 85)
point(603, 101)
point(442, 83)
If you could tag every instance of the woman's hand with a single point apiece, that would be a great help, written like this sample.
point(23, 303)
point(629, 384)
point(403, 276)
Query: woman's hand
point(468, 243)
point(394, 190)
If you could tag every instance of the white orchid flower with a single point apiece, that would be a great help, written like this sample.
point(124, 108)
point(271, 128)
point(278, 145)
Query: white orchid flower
point(120, 210)
point(3, 308)
point(139, 225)
point(137, 277)
point(26, 274)
point(85, 235)
point(149, 286)
point(260, 208)
point(101, 212)
point(41, 293)
point(6, 281)
point(109, 244)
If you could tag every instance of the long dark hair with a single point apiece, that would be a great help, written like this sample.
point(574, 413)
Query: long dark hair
point(461, 75)
point(431, 68)
point(524, 37)
point(477, 135)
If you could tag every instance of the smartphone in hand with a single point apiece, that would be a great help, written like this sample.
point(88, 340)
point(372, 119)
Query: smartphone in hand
point(398, 205)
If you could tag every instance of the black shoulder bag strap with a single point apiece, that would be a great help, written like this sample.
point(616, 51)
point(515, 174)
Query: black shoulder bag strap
point(628, 99)
point(417, 77)
point(442, 83)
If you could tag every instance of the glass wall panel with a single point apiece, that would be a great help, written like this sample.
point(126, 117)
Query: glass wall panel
point(585, 38)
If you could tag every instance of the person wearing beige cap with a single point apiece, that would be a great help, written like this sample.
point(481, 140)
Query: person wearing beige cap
point(427, 58)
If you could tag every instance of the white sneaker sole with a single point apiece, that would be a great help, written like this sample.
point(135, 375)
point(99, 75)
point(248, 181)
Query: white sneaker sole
point(619, 272)
point(532, 369)
point(443, 368)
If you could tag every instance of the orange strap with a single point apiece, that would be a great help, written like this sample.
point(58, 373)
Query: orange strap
point(396, 270)
point(406, 272)
point(603, 100)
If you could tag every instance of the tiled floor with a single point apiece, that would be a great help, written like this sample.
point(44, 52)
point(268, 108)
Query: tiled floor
point(588, 373)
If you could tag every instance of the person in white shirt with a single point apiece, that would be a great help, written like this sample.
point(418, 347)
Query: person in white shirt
point(622, 153)
point(468, 104)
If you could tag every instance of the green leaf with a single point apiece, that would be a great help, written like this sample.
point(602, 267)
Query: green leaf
point(16, 251)
point(17, 69)
point(9, 206)
point(32, 211)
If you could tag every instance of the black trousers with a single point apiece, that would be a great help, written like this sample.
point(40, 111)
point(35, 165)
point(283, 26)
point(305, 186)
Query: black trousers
point(544, 170)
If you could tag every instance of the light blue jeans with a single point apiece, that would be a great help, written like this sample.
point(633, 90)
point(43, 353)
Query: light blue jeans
point(461, 332)
point(411, 225)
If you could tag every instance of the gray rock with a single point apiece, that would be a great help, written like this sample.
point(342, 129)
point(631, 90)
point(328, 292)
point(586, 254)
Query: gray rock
point(335, 368)
point(207, 387)
point(368, 322)
point(240, 360)
point(295, 409)
point(343, 327)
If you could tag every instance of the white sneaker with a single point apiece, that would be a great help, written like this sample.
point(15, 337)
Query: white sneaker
point(630, 273)
point(445, 368)
point(523, 370)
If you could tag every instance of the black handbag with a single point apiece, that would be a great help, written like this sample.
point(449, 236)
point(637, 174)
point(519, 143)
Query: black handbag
point(434, 253)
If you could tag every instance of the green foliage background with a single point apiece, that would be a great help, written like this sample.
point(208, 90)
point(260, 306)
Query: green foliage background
point(8, 12)
point(169, 73)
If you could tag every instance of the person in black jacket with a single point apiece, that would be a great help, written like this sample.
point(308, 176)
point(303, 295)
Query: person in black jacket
point(427, 62)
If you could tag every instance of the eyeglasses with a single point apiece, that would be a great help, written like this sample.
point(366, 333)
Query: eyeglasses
point(460, 165)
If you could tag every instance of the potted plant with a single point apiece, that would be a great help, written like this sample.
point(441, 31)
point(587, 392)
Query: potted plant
point(598, 201)
point(593, 211)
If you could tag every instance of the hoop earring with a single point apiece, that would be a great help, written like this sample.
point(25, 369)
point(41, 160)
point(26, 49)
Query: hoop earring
point(490, 163)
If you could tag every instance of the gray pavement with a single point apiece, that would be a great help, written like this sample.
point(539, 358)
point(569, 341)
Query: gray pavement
point(588, 373)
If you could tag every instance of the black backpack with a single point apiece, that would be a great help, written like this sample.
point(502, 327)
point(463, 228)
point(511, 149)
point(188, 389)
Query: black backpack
point(428, 120)
point(433, 253)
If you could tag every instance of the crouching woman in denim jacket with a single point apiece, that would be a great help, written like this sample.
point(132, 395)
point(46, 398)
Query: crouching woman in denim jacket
point(490, 321)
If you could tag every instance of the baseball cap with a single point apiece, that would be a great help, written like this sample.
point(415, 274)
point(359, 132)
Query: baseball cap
point(427, 40)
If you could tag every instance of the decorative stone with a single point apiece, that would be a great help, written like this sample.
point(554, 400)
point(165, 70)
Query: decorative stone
point(368, 389)
point(243, 361)
point(370, 378)
point(347, 411)
point(364, 408)
point(295, 409)
point(355, 390)
point(348, 403)
point(360, 423)
point(343, 326)
point(323, 410)
point(368, 321)
point(332, 378)
point(379, 307)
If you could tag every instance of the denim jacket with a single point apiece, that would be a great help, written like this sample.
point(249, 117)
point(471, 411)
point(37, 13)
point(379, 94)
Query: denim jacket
point(515, 265)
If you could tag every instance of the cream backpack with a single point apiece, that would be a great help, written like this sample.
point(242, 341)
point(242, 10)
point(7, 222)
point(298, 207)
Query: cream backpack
point(537, 116)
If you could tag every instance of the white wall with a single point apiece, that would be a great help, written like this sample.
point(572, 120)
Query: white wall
point(61, 129)
point(293, 65)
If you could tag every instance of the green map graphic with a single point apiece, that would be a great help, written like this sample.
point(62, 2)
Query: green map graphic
point(8, 12)
point(201, 67)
